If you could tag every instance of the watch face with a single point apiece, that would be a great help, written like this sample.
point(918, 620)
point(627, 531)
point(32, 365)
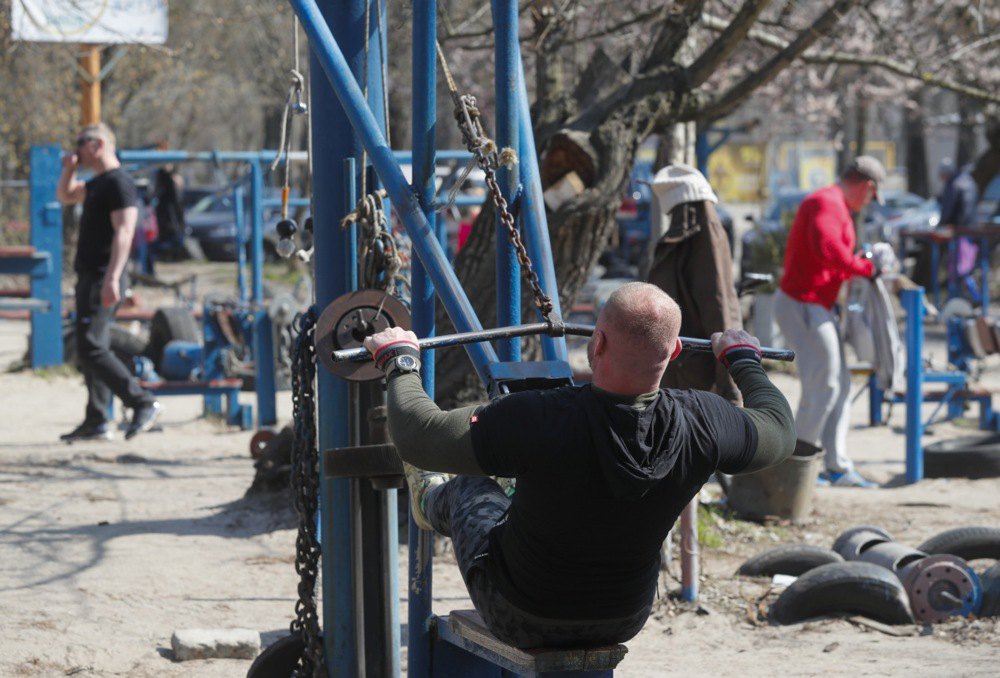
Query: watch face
point(406, 362)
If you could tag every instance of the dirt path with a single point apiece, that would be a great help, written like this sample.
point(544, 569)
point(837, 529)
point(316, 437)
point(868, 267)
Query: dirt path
point(109, 547)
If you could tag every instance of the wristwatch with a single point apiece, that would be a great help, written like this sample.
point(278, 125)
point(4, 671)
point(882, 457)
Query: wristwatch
point(402, 364)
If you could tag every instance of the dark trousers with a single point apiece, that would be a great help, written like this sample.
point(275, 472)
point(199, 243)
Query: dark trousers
point(103, 372)
point(466, 509)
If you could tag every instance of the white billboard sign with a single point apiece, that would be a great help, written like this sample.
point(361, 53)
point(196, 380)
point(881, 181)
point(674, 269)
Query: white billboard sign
point(90, 21)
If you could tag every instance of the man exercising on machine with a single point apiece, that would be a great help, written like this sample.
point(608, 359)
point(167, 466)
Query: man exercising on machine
point(603, 470)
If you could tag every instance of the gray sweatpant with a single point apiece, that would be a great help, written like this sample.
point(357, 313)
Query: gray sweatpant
point(824, 413)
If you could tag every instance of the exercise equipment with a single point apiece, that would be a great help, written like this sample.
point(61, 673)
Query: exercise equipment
point(938, 586)
point(958, 390)
point(42, 261)
point(357, 522)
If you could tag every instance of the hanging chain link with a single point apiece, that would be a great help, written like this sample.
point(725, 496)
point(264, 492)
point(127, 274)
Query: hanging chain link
point(489, 160)
point(305, 495)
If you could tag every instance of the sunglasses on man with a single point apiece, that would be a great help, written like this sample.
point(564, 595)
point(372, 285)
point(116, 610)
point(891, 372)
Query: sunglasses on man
point(82, 140)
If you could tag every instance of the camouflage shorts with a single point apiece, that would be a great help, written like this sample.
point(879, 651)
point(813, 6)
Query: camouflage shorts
point(466, 509)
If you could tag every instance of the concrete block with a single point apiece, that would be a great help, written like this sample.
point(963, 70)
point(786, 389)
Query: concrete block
point(215, 644)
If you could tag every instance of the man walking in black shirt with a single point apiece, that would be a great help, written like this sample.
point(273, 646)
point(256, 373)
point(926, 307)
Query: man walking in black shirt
point(602, 471)
point(110, 211)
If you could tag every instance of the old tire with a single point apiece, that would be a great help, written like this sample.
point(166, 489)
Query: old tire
point(842, 542)
point(126, 345)
point(991, 592)
point(844, 589)
point(278, 659)
point(259, 441)
point(794, 559)
point(968, 543)
point(169, 324)
point(965, 457)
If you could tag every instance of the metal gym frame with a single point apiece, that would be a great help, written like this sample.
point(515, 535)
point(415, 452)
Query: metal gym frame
point(361, 626)
point(42, 260)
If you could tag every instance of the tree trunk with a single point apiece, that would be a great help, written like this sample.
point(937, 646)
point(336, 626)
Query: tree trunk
point(579, 232)
point(916, 149)
point(860, 126)
point(988, 164)
point(965, 151)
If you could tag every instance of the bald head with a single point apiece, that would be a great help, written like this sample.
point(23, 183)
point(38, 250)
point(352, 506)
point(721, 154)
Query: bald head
point(639, 325)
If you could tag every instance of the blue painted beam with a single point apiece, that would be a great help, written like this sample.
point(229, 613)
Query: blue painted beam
point(425, 243)
point(533, 219)
point(419, 590)
point(508, 270)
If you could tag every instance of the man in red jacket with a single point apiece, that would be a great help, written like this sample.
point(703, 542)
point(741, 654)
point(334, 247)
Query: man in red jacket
point(820, 256)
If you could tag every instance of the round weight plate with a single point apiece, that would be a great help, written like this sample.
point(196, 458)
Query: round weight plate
point(348, 320)
point(940, 587)
point(259, 441)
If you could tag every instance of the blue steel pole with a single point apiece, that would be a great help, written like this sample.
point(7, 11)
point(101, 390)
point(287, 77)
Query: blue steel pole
point(331, 147)
point(263, 341)
point(378, 88)
point(424, 128)
point(241, 242)
point(507, 60)
point(257, 231)
point(327, 52)
point(533, 220)
point(702, 151)
point(913, 304)
point(46, 236)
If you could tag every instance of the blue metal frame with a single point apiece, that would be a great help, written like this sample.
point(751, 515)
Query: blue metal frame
point(327, 52)
point(44, 264)
point(421, 551)
point(46, 238)
point(263, 339)
point(913, 303)
point(508, 271)
point(338, 102)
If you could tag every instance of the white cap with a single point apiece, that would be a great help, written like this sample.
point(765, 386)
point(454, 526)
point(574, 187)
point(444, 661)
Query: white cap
point(678, 184)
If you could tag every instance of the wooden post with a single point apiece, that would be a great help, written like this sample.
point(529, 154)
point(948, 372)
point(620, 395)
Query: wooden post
point(90, 87)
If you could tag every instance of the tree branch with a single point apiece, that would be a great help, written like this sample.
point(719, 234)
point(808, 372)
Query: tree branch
point(727, 42)
point(721, 105)
point(677, 22)
point(911, 72)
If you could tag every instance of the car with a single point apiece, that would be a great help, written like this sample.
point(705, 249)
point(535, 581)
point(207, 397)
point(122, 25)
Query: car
point(212, 222)
point(896, 204)
point(924, 217)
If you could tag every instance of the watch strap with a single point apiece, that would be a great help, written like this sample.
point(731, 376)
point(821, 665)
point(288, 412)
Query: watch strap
point(387, 352)
point(393, 367)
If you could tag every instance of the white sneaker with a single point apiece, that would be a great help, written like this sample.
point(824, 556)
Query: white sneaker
point(421, 483)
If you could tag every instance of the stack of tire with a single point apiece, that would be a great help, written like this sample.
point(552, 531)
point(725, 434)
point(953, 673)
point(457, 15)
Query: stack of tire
point(830, 584)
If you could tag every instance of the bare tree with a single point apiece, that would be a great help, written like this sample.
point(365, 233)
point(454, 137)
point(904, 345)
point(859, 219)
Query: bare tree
point(670, 70)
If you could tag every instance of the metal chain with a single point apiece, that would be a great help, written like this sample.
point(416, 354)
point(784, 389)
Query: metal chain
point(305, 495)
point(489, 159)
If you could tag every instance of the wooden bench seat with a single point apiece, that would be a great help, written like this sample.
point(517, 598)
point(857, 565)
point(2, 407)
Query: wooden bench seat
point(465, 628)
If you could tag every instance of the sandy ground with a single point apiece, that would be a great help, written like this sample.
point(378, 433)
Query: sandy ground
point(107, 548)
